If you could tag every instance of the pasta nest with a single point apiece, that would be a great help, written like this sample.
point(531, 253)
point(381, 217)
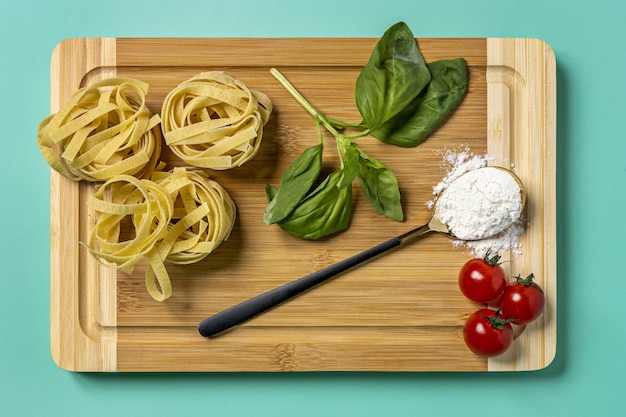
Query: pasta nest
point(214, 121)
point(179, 217)
point(102, 131)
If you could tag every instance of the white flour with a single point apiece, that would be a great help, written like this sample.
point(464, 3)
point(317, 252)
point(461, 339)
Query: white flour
point(477, 206)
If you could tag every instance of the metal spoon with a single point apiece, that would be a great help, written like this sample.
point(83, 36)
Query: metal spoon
point(246, 310)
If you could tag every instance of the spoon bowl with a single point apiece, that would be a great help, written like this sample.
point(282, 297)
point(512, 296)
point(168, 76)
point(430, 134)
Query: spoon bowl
point(246, 310)
point(522, 190)
point(437, 225)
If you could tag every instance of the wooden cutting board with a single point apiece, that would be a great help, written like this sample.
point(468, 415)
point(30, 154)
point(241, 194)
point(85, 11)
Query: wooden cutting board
point(399, 312)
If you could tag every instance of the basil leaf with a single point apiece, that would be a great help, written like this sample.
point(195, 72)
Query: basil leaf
point(380, 186)
point(325, 211)
point(445, 90)
point(351, 160)
point(394, 75)
point(270, 192)
point(294, 184)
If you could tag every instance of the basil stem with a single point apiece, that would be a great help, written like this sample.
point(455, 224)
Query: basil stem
point(325, 121)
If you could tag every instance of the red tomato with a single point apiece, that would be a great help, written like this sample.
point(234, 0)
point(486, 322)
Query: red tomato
point(482, 280)
point(486, 333)
point(522, 301)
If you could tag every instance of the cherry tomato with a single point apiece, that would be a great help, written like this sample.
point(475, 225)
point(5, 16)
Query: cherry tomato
point(522, 301)
point(482, 279)
point(486, 333)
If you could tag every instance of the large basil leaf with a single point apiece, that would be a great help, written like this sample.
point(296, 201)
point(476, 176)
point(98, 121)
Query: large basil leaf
point(325, 211)
point(380, 186)
point(294, 184)
point(394, 75)
point(447, 87)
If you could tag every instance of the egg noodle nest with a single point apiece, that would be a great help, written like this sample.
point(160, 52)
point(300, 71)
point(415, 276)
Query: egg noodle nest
point(106, 134)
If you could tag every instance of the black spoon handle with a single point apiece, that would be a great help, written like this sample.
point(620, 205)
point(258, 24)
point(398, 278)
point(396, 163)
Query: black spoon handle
point(246, 310)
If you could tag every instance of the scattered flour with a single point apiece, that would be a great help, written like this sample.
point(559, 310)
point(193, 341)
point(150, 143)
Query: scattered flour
point(477, 215)
point(458, 164)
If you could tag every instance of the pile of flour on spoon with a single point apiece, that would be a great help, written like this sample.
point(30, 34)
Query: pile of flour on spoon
point(473, 216)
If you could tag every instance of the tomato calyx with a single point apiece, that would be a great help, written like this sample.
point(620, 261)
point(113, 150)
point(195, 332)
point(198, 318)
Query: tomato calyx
point(492, 260)
point(528, 282)
point(499, 323)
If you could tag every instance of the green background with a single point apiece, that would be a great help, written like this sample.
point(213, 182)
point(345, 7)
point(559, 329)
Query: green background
point(587, 376)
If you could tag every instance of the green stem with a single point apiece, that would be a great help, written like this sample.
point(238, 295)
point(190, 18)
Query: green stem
point(342, 141)
point(361, 128)
point(304, 103)
point(339, 124)
point(294, 92)
point(359, 135)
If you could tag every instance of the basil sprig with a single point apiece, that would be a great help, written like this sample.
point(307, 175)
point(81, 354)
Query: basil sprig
point(401, 99)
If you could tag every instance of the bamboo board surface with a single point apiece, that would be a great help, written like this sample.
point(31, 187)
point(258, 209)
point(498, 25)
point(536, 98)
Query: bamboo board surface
point(400, 312)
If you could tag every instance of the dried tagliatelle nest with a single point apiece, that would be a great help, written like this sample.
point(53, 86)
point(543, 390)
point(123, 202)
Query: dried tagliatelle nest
point(103, 130)
point(214, 121)
point(204, 214)
point(179, 216)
